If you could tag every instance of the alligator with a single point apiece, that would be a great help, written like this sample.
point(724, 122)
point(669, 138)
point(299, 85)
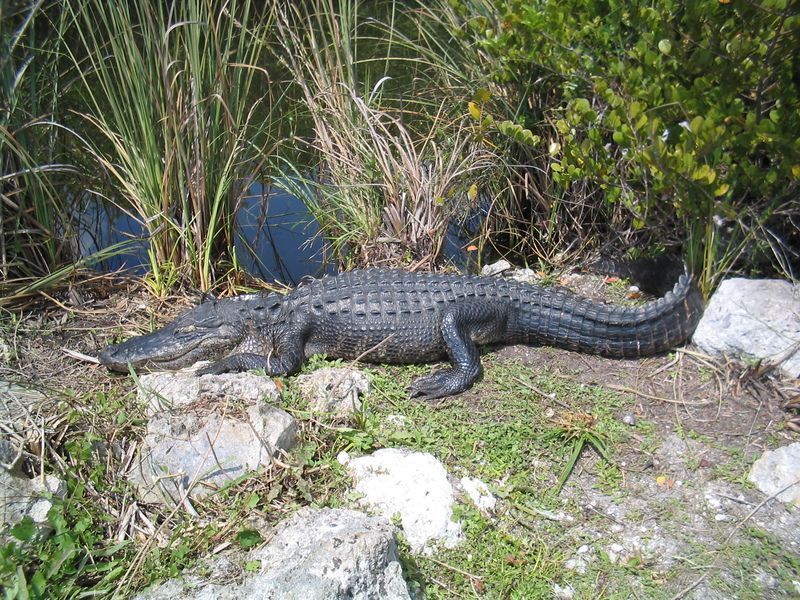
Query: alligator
point(395, 316)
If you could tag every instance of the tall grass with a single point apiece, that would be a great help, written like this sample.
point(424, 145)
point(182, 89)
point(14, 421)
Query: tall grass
point(31, 213)
point(180, 112)
point(390, 177)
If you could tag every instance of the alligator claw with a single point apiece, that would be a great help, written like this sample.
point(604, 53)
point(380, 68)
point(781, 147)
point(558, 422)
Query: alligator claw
point(216, 368)
point(436, 385)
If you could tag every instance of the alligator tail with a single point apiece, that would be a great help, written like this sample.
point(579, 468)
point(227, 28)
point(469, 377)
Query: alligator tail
point(561, 319)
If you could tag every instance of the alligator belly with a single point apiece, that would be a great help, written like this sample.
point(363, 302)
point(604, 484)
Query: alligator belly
point(387, 344)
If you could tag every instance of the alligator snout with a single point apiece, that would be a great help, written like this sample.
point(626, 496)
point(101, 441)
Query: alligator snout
point(111, 357)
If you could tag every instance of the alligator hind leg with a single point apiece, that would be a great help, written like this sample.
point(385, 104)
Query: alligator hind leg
point(464, 356)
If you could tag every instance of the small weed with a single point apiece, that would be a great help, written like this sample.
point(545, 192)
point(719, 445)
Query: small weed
point(577, 431)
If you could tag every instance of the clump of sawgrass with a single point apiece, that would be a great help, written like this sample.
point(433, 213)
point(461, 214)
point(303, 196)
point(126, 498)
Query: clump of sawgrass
point(31, 215)
point(179, 109)
point(385, 190)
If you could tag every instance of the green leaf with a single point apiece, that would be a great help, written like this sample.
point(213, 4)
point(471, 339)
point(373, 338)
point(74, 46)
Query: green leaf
point(21, 584)
point(248, 538)
point(24, 530)
point(582, 105)
point(252, 566)
point(618, 136)
point(474, 111)
point(472, 192)
point(518, 133)
point(481, 95)
point(665, 46)
point(38, 584)
point(696, 124)
point(700, 172)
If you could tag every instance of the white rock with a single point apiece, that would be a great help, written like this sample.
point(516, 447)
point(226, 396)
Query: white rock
point(577, 564)
point(164, 391)
point(217, 429)
point(396, 421)
point(415, 486)
point(22, 497)
point(495, 268)
point(563, 593)
point(777, 469)
point(526, 275)
point(479, 493)
point(614, 551)
point(325, 554)
point(334, 391)
point(752, 319)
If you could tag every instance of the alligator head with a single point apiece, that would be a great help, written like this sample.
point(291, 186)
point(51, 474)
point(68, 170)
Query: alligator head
point(207, 332)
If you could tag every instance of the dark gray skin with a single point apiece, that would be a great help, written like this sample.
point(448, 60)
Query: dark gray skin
point(392, 316)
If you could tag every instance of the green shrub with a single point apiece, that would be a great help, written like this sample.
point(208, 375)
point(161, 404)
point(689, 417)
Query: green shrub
point(685, 113)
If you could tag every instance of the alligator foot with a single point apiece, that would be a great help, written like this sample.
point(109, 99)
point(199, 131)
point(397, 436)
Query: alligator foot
point(438, 385)
point(216, 368)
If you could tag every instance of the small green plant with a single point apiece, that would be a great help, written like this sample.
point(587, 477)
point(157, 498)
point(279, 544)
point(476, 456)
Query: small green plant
point(76, 556)
point(577, 431)
point(677, 114)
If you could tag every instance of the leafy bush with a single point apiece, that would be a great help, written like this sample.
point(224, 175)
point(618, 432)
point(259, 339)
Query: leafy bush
point(671, 109)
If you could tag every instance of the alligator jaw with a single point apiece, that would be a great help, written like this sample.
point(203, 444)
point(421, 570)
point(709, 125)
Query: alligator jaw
point(157, 352)
point(199, 334)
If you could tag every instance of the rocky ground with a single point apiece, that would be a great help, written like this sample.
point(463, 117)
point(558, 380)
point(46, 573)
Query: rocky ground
point(658, 504)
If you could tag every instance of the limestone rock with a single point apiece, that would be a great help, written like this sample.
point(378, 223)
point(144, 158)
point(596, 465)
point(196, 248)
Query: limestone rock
point(496, 268)
point(325, 554)
point(334, 391)
point(163, 391)
point(526, 275)
point(218, 428)
point(777, 469)
point(750, 319)
point(479, 493)
point(22, 497)
point(415, 486)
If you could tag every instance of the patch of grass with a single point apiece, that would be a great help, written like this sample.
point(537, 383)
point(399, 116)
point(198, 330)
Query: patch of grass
point(82, 552)
point(757, 565)
point(734, 469)
point(491, 562)
point(496, 433)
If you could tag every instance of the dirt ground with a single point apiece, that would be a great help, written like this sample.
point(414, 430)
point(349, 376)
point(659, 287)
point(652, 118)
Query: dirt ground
point(686, 517)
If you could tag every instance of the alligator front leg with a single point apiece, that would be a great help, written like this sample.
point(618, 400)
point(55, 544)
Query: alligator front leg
point(272, 365)
point(285, 358)
point(464, 356)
